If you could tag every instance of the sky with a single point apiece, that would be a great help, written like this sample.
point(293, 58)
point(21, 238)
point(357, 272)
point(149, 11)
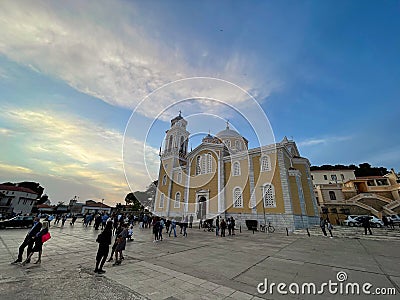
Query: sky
point(87, 88)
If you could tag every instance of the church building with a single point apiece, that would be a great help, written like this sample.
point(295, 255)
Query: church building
point(222, 177)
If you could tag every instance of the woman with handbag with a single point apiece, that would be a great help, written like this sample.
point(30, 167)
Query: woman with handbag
point(42, 236)
point(121, 243)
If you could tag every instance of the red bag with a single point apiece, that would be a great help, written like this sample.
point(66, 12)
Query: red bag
point(46, 237)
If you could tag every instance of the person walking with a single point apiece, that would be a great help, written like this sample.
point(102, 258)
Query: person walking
point(330, 227)
point(72, 220)
point(217, 226)
point(322, 224)
point(233, 224)
point(156, 230)
point(104, 219)
point(130, 233)
point(190, 221)
point(114, 246)
point(29, 240)
point(104, 240)
point(38, 244)
point(49, 219)
point(167, 225)
point(367, 225)
point(391, 223)
point(64, 218)
point(173, 227)
point(185, 225)
point(160, 229)
point(223, 228)
point(121, 244)
point(229, 225)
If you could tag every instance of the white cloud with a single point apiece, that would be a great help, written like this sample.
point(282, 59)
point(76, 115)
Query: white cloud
point(5, 131)
point(78, 150)
point(115, 59)
point(7, 168)
point(323, 141)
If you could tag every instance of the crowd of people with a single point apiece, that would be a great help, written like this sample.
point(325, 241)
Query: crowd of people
point(119, 226)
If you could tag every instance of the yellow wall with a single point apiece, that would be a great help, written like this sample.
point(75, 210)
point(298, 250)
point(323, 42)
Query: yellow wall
point(306, 189)
point(273, 177)
point(241, 181)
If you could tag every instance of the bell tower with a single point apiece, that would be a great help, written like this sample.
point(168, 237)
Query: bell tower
point(173, 160)
point(176, 142)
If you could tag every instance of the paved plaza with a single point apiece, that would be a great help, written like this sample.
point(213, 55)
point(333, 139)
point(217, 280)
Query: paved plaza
point(200, 266)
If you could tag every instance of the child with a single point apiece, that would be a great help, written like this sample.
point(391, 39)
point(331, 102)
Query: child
point(130, 233)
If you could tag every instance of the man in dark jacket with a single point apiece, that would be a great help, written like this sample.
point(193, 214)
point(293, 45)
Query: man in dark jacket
point(29, 240)
point(367, 225)
point(322, 224)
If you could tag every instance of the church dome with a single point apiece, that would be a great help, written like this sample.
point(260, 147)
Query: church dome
point(228, 133)
point(232, 139)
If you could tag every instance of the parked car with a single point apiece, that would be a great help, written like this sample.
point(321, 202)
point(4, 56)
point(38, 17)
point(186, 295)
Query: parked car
point(18, 221)
point(395, 218)
point(352, 220)
point(374, 221)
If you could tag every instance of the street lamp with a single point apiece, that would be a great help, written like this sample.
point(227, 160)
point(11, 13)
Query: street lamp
point(263, 205)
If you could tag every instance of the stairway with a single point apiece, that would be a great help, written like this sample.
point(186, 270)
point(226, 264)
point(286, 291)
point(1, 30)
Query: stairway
point(354, 233)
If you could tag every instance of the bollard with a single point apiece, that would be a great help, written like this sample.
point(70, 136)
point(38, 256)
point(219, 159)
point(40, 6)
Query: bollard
point(308, 233)
point(240, 228)
point(287, 232)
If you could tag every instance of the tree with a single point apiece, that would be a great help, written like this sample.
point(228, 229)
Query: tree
point(131, 199)
point(43, 199)
point(34, 186)
point(362, 170)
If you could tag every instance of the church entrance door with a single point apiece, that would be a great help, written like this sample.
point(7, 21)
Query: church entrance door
point(202, 208)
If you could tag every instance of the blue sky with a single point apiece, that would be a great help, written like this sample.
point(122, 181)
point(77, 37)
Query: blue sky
point(326, 73)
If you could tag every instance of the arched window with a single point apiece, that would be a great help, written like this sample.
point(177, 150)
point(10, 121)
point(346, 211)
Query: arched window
point(269, 195)
point(170, 143)
point(332, 195)
point(164, 180)
point(198, 165)
point(181, 145)
point(177, 202)
point(236, 168)
point(179, 177)
point(265, 163)
point(238, 145)
point(209, 163)
point(203, 164)
point(161, 205)
point(237, 197)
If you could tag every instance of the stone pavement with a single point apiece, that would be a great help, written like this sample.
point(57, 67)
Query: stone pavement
point(200, 266)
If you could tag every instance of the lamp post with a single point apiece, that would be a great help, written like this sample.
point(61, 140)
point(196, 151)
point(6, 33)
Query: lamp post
point(263, 205)
point(102, 201)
